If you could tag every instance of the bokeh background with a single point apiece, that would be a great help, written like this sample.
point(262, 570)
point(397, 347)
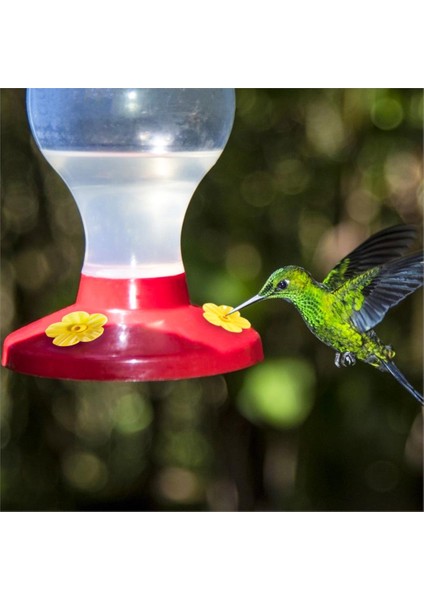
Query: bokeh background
point(306, 176)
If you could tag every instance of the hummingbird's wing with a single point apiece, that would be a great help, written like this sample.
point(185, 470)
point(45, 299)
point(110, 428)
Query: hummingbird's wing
point(373, 293)
point(376, 250)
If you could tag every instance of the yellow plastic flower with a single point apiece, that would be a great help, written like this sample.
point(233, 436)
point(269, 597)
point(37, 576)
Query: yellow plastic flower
point(76, 327)
point(218, 315)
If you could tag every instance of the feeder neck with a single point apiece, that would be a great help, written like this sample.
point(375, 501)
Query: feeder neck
point(134, 294)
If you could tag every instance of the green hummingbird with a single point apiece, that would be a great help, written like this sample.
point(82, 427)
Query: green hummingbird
point(354, 297)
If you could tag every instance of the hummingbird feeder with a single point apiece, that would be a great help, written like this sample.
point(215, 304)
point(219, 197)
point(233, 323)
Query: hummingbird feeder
point(132, 159)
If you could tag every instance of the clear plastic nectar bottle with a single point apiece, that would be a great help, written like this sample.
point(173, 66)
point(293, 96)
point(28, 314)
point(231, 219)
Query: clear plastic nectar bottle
point(132, 159)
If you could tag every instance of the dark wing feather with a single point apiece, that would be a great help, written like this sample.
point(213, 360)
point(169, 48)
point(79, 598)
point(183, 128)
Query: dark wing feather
point(378, 249)
point(381, 288)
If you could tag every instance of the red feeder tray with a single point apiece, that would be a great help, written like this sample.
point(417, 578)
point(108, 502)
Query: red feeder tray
point(152, 333)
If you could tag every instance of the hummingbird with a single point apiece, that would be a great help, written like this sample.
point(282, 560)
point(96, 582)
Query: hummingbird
point(343, 310)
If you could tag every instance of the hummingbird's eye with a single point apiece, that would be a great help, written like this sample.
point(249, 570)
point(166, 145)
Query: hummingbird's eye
point(281, 285)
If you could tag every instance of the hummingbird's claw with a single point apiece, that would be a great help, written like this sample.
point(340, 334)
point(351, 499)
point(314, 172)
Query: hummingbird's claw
point(348, 359)
point(345, 359)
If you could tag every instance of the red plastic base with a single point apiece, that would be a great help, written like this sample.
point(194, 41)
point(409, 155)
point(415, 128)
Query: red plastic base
point(152, 334)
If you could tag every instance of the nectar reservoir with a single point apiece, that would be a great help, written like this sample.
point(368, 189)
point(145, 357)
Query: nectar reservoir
point(132, 159)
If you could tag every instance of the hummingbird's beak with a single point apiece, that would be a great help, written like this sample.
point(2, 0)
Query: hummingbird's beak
point(247, 303)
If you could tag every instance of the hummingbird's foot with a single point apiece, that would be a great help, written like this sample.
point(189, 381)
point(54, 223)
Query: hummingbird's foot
point(345, 359)
point(348, 359)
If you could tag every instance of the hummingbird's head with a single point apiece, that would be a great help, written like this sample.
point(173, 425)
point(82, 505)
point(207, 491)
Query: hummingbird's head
point(285, 283)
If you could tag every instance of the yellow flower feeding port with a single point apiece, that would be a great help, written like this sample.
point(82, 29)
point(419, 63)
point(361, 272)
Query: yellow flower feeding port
point(218, 315)
point(76, 327)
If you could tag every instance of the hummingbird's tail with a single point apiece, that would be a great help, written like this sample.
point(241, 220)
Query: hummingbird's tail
point(392, 368)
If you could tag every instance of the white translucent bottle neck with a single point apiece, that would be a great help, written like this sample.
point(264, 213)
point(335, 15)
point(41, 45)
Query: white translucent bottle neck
point(132, 206)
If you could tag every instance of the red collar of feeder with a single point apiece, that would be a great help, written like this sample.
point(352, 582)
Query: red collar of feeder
point(134, 294)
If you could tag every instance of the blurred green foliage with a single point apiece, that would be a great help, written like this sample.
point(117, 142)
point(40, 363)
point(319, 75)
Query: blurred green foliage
point(278, 392)
point(306, 176)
